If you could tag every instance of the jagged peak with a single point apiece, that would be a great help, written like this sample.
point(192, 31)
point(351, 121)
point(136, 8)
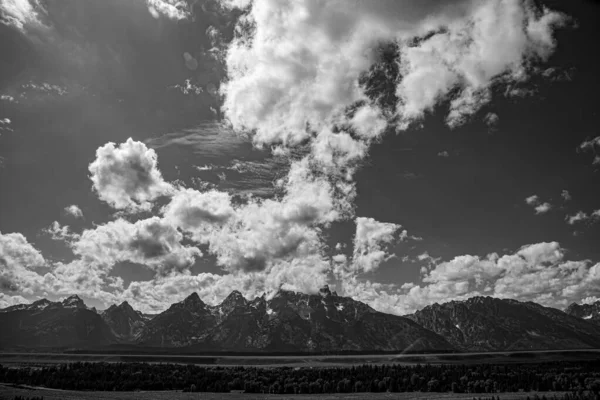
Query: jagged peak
point(73, 301)
point(193, 299)
point(194, 296)
point(235, 297)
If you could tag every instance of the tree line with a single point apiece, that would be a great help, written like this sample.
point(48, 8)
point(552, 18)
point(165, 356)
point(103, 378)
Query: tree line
point(578, 378)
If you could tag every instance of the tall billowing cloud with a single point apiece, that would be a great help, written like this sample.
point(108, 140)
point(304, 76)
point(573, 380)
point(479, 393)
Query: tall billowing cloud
point(127, 177)
point(369, 241)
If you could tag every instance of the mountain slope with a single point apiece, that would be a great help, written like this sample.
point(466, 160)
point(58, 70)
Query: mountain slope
point(53, 324)
point(288, 322)
point(489, 324)
point(125, 322)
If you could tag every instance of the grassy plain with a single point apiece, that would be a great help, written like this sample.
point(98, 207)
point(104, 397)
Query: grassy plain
point(40, 359)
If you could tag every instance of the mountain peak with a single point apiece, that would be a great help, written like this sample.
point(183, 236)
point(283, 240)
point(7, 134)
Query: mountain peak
point(125, 304)
point(235, 298)
point(193, 300)
point(73, 301)
point(324, 291)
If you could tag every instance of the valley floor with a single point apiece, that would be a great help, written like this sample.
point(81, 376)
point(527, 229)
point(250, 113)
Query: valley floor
point(40, 359)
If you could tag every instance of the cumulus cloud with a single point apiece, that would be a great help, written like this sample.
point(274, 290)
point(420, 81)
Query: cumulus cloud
point(74, 211)
point(254, 235)
point(566, 195)
point(307, 76)
point(494, 43)
point(127, 176)
point(18, 259)
point(444, 154)
point(152, 242)
point(369, 243)
point(536, 272)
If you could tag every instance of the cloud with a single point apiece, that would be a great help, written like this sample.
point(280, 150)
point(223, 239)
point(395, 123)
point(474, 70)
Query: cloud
point(532, 200)
point(188, 87)
point(566, 195)
point(543, 208)
point(537, 272)
point(263, 232)
point(310, 74)
point(152, 242)
point(369, 241)
point(491, 119)
point(5, 124)
point(127, 177)
point(591, 145)
point(18, 258)
point(172, 9)
point(444, 154)
point(583, 217)
point(199, 212)
point(21, 14)
point(60, 232)
point(494, 44)
point(7, 300)
point(6, 97)
point(539, 206)
point(74, 211)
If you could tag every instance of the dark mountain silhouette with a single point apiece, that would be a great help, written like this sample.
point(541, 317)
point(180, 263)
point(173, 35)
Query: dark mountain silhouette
point(297, 322)
point(287, 322)
point(488, 324)
point(53, 324)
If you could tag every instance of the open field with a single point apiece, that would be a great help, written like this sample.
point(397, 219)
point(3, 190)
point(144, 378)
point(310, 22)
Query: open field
point(8, 393)
point(23, 359)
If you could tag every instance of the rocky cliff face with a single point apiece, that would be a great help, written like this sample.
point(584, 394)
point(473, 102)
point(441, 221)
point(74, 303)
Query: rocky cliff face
point(588, 312)
point(53, 324)
point(489, 324)
point(287, 322)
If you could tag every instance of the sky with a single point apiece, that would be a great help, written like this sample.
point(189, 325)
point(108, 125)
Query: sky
point(404, 153)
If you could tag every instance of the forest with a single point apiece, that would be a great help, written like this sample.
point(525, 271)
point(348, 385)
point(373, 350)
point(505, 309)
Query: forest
point(578, 378)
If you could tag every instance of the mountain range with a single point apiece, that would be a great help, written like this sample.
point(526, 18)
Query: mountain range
point(297, 322)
